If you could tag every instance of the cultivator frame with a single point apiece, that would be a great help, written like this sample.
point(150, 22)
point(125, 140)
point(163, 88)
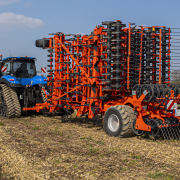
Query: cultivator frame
point(114, 66)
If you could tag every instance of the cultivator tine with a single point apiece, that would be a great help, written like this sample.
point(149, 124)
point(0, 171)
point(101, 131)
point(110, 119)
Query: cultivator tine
point(165, 133)
point(95, 48)
point(95, 45)
point(175, 132)
point(172, 128)
point(93, 107)
point(162, 133)
point(170, 132)
point(69, 34)
point(96, 66)
point(93, 88)
point(98, 119)
point(57, 33)
point(176, 127)
point(164, 130)
point(166, 127)
point(178, 130)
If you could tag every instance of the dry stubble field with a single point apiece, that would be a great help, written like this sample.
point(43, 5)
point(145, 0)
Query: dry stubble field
point(38, 147)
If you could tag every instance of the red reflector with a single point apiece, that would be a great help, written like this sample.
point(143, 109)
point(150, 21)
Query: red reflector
point(11, 79)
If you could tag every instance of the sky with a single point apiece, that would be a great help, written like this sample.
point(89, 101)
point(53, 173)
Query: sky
point(23, 21)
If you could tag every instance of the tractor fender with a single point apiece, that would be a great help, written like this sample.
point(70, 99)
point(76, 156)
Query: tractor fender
point(39, 80)
point(10, 81)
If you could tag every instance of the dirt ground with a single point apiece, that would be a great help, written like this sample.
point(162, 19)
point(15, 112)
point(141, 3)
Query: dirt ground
point(38, 147)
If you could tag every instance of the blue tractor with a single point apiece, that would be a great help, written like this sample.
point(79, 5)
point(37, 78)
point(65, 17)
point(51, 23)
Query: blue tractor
point(20, 86)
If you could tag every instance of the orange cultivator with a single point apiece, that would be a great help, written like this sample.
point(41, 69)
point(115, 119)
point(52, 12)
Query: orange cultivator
point(119, 72)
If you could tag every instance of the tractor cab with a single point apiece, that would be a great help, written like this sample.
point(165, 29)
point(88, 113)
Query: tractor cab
point(19, 67)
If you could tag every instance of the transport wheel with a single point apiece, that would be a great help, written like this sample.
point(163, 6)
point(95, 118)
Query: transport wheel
point(43, 43)
point(118, 121)
point(8, 105)
point(17, 106)
point(43, 96)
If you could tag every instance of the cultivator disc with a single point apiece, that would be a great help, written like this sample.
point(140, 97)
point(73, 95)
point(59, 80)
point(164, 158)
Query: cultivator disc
point(115, 56)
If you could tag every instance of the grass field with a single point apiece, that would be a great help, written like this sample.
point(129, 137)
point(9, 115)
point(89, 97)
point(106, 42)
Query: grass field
point(38, 147)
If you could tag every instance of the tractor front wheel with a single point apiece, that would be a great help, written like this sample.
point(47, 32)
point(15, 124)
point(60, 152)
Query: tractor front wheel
point(118, 121)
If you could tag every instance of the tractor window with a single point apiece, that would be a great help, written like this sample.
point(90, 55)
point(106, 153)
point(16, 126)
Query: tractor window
point(30, 68)
point(5, 68)
point(24, 69)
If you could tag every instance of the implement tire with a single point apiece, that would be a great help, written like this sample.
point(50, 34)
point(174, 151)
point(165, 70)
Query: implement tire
point(8, 102)
point(118, 121)
point(17, 106)
point(43, 43)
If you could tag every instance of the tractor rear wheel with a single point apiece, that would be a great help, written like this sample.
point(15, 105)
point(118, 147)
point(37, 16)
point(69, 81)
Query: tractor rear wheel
point(17, 106)
point(7, 105)
point(118, 121)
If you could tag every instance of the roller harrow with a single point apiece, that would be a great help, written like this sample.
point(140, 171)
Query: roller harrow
point(122, 73)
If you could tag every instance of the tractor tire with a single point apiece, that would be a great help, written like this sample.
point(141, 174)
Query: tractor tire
point(118, 121)
point(43, 43)
point(8, 102)
point(44, 99)
point(17, 106)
